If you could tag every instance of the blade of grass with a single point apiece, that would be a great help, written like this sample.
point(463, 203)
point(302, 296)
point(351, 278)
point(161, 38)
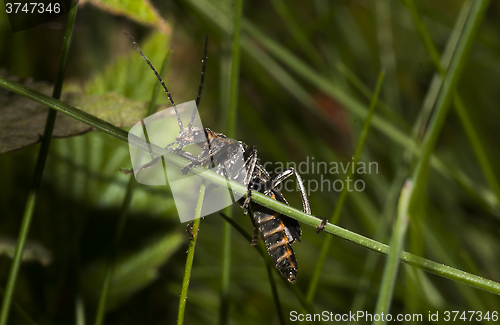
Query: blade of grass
point(443, 102)
point(231, 115)
point(65, 109)
point(217, 16)
point(298, 33)
point(458, 102)
point(259, 198)
point(392, 263)
point(437, 120)
point(380, 235)
point(20, 311)
point(37, 178)
point(387, 57)
point(477, 146)
point(79, 310)
point(367, 93)
point(235, 70)
point(101, 309)
point(433, 241)
point(190, 256)
point(325, 248)
point(274, 290)
point(441, 64)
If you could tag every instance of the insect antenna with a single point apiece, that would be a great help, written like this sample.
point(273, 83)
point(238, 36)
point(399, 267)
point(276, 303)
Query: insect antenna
point(204, 63)
point(159, 78)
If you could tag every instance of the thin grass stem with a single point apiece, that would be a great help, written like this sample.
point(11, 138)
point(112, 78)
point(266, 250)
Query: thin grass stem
point(37, 178)
point(325, 248)
point(470, 131)
point(392, 263)
point(122, 218)
point(190, 256)
point(231, 130)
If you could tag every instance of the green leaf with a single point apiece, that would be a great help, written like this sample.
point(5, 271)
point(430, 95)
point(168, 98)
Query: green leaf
point(130, 75)
point(106, 96)
point(23, 120)
point(33, 251)
point(141, 11)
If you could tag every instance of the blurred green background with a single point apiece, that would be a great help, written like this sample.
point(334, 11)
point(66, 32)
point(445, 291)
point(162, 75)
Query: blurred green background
point(308, 68)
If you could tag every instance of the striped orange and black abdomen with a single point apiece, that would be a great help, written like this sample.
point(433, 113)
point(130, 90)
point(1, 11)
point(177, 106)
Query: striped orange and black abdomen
point(272, 231)
point(277, 238)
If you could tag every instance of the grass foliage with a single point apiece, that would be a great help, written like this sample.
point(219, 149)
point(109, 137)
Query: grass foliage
point(297, 79)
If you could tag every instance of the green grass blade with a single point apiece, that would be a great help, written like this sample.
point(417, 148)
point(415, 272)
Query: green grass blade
point(325, 248)
point(235, 71)
point(392, 263)
point(40, 164)
point(453, 74)
point(367, 93)
point(19, 310)
point(477, 146)
point(79, 310)
point(424, 35)
point(274, 290)
point(387, 57)
point(370, 264)
point(230, 125)
point(217, 16)
point(101, 309)
point(65, 109)
point(470, 131)
point(298, 33)
point(190, 256)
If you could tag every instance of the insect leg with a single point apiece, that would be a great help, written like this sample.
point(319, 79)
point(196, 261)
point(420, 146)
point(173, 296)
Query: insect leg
point(322, 225)
point(252, 161)
point(146, 166)
point(204, 63)
point(204, 158)
point(284, 175)
point(189, 230)
point(179, 122)
point(255, 229)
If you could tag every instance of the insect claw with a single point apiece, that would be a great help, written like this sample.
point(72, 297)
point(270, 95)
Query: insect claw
point(246, 203)
point(189, 230)
point(126, 171)
point(187, 169)
point(322, 225)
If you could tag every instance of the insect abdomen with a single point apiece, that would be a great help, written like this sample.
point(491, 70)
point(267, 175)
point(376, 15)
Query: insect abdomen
point(273, 233)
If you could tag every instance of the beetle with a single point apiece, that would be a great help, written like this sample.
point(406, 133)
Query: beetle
point(277, 231)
